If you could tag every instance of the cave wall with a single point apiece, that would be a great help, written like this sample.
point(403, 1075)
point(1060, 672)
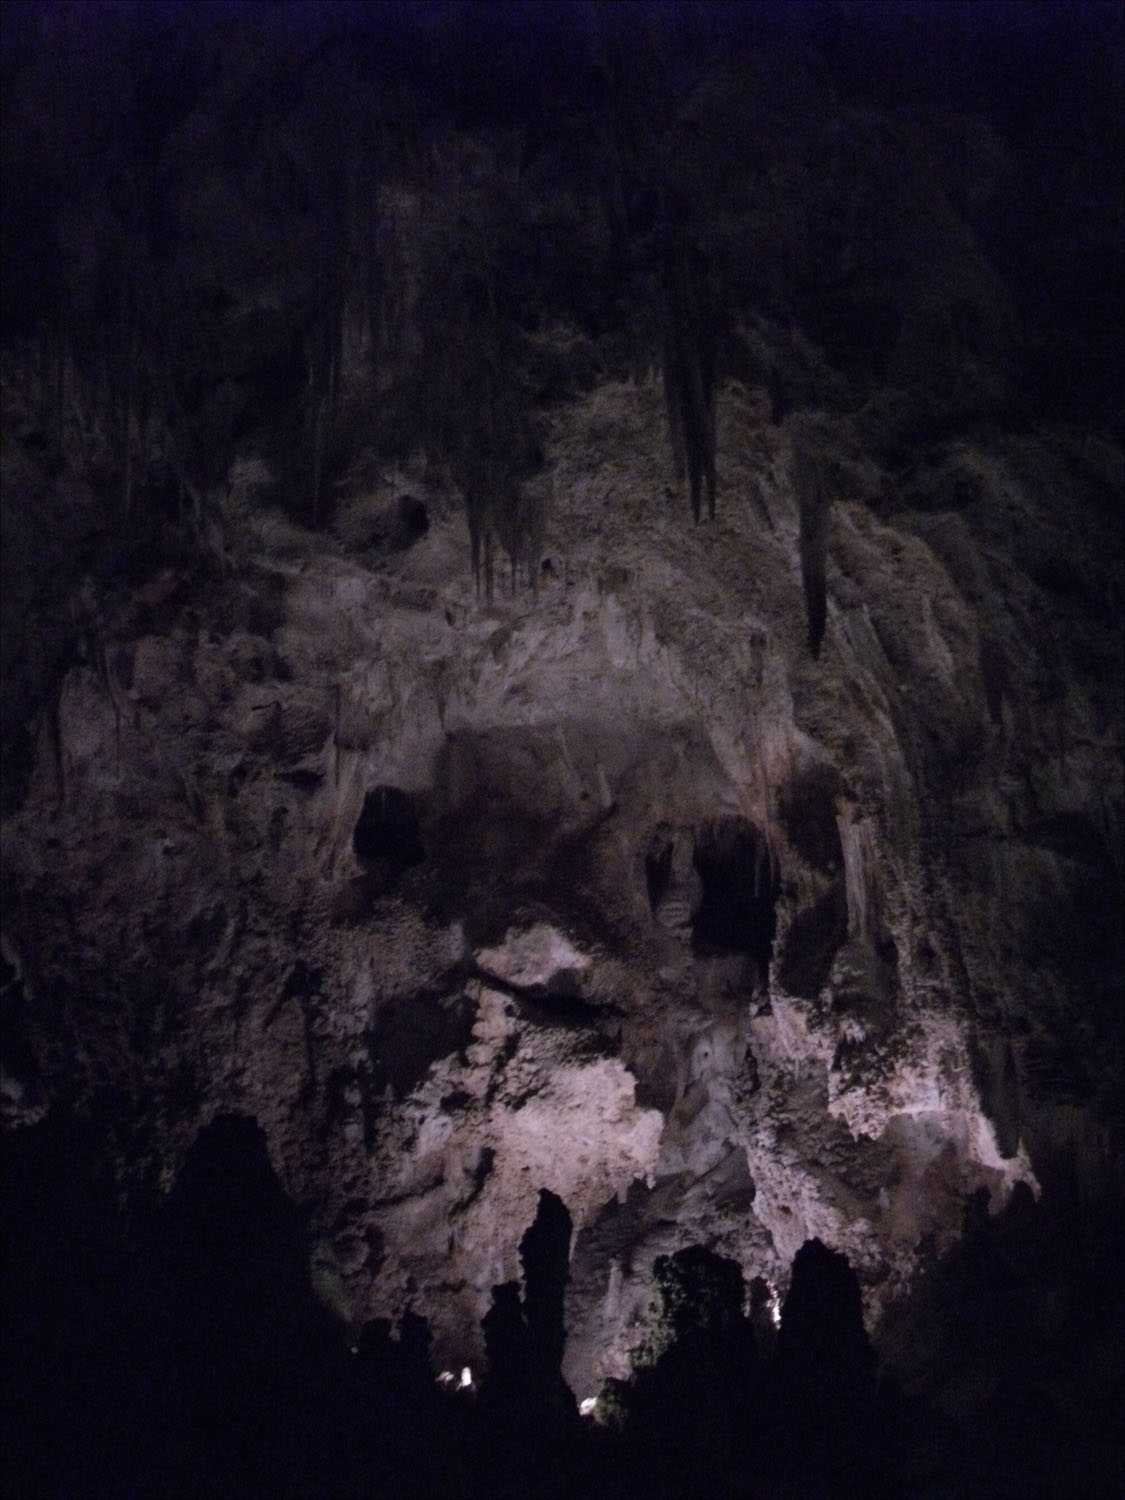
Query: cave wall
point(467, 890)
point(383, 880)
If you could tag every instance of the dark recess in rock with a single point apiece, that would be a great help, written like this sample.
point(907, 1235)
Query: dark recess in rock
point(812, 942)
point(386, 838)
point(736, 914)
point(558, 1003)
point(410, 1035)
point(807, 806)
point(303, 780)
point(994, 1073)
point(412, 521)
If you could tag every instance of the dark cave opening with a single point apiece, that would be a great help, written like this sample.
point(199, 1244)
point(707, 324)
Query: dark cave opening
point(412, 521)
point(386, 838)
point(737, 913)
point(807, 808)
point(812, 942)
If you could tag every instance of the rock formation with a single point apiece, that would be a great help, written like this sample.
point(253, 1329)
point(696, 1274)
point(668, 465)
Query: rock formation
point(604, 888)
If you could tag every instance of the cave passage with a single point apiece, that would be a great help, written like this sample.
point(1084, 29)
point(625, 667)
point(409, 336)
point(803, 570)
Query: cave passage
point(386, 837)
point(736, 914)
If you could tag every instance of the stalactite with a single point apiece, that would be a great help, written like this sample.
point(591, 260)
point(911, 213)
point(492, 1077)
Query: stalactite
point(858, 844)
point(689, 359)
point(812, 502)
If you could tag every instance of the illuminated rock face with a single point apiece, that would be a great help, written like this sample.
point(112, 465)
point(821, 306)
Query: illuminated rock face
point(609, 889)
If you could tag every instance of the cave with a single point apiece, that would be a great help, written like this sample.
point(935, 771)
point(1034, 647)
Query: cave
point(737, 911)
point(416, 829)
point(386, 839)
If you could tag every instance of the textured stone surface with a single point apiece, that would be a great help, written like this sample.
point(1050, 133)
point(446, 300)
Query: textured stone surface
point(604, 886)
point(528, 997)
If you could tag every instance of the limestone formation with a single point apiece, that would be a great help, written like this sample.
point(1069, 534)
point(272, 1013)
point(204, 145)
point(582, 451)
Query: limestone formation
point(721, 887)
point(434, 901)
